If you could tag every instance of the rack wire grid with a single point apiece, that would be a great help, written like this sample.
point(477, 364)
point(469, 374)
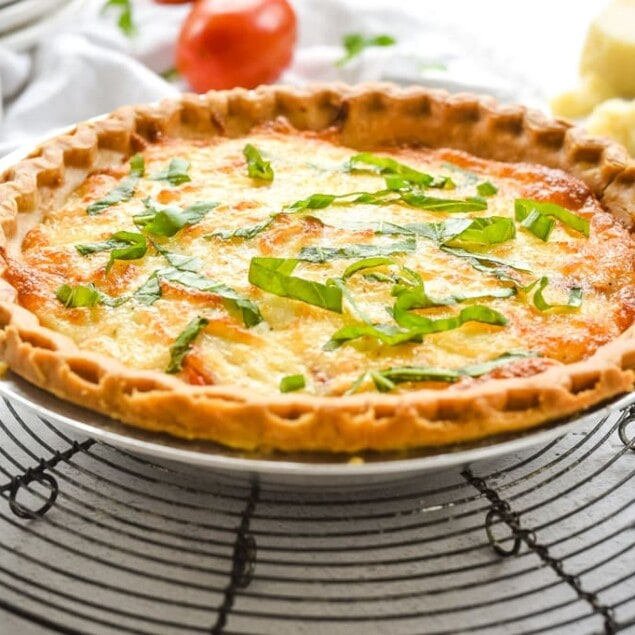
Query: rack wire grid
point(98, 540)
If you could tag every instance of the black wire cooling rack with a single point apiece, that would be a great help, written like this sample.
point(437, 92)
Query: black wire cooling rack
point(97, 540)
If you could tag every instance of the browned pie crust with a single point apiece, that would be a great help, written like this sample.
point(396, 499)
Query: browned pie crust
point(370, 115)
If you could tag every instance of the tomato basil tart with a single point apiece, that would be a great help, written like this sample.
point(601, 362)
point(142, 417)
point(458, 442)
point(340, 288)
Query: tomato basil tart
point(328, 268)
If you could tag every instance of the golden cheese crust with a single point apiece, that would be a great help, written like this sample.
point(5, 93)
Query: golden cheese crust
point(416, 269)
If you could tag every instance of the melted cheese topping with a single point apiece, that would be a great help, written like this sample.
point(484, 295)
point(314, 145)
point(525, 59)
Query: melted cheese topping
point(290, 339)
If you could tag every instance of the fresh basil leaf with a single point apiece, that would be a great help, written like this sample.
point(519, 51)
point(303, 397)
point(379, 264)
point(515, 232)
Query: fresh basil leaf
point(135, 247)
point(524, 206)
point(447, 205)
point(397, 175)
point(176, 173)
point(183, 343)
point(489, 230)
point(164, 220)
point(355, 43)
point(574, 302)
point(246, 232)
point(78, 296)
point(273, 275)
point(290, 383)
point(179, 261)
point(323, 254)
point(486, 189)
point(257, 167)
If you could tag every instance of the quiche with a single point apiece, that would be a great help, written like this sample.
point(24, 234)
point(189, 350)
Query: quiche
point(329, 268)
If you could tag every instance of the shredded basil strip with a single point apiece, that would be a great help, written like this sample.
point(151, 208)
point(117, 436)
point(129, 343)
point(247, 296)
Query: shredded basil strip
point(183, 272)
point(387, 197)
point(317, 253)
point(274, 275)
point(366, 263)
point(574, 302)
point(487, 263)
point(417, 326)
point(417, 298)
point(388, 334)
point(290, 383)
point(397, 174)
point(539, 225)
point(78, 296)
point(320, 201)
point(123, 245)
point(249, 310)
point(523, 207)
point(124, 191)
point(486, 188)
point(400, 374)
point(246, 232)
point(355, 43)
point(85, 296)
point(137, 165)
point(183, 343)
point(447, 205)
point(164, 220)
point(257, 167)
point(490, 230)
point(150, 291)
point(176, 173)
point(482, 368)
point(424, 325)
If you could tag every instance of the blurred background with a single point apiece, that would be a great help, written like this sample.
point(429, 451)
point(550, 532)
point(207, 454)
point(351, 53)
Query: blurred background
point(62, 61)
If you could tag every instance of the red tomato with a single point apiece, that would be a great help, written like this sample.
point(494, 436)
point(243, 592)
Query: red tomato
point(228, 43)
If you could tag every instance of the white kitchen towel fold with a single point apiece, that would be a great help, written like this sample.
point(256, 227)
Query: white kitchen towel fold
point(89, 67)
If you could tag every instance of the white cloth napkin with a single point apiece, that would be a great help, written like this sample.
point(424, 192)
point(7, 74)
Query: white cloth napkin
point(88, 67)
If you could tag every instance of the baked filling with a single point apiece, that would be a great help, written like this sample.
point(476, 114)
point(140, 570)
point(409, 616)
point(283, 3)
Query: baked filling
point(287, 260)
